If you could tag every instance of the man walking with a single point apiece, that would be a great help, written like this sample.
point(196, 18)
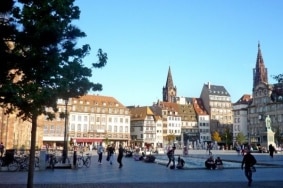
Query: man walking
point(120, 155)
point(170, 155)
point(271, 150)
point(248, 161)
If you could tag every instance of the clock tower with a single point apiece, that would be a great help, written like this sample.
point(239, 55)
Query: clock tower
point(169, 90)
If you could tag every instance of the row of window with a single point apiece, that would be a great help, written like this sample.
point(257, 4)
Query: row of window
point(219, 98)
point(220, 104)
point(174, 118)
point(204, 124)
point(98, 119)
point(174, 131)
point(268, 108)
point(204, 130)
point(84, 128)
point(222, 118)
point(174, 125)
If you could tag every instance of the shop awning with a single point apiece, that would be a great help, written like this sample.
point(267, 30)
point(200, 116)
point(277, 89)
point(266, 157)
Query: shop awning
point(78, 140)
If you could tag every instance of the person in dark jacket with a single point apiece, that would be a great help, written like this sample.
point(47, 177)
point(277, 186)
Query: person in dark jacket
point(210, 163)
point(271, 150)
point(219, 163)
point(248, 162)
point(170, 155)
point(181, 163)
point(120, 155)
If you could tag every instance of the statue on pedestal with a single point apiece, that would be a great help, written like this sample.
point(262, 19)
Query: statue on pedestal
point(268, 123)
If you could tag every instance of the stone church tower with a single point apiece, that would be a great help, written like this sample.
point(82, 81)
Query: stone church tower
point(169, 90)
point(259, 72)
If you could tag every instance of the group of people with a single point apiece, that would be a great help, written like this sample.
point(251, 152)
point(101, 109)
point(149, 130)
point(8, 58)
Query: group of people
point(212, 164)
point(110, 154)
point(171, 158)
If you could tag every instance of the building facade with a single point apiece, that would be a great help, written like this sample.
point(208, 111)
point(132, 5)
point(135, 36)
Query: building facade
point(189, 129)
point(240, 110)
point(203, 121)
point(91, 119)
point(263, 106)
point(217, 102)
point(146, 128)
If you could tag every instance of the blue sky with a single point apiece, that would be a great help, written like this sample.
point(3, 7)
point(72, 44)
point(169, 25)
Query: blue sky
point(201, 40)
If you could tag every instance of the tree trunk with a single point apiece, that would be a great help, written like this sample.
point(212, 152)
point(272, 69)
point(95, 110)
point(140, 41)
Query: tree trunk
point(32, 152)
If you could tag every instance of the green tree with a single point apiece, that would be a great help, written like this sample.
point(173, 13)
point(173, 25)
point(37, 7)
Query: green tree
point(44, 63)
point(279, 78)
point(171, 137)
point(216, 136)
point(240, 138)
point(227, 136)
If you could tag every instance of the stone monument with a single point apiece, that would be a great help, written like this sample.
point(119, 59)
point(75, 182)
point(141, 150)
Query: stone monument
point(268, 137)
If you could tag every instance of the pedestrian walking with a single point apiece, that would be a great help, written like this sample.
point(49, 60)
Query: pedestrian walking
point(271, 150)
point(171, 158)
point(120, 155)
point(248, 162)
point(100, 151)
point(209, 148)
point(2, 147)
point(110, 153)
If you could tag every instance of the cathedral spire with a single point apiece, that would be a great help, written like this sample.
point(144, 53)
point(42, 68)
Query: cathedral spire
point(169, 91)
point(169, 82)
point(259, 72)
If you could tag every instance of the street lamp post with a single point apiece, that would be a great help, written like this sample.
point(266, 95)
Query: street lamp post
point(65, 147)
point(226, 140)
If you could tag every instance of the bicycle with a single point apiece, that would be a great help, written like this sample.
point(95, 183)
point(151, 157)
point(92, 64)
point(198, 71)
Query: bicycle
point(19, 163)
point(53, 160)
point(84, 160)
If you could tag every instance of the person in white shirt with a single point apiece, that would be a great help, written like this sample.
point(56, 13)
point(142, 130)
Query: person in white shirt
point(100, 151)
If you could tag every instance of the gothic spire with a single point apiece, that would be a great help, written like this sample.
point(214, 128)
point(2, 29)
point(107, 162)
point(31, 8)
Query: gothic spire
point(260, 72)
point(169, 91)
point(169, 82)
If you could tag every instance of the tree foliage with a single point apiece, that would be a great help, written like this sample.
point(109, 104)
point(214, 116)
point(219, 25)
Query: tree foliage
point(227, 136)
point(171, 137)
point(241, 138)
point(44, 62)
point(279, 78)
point(216, 136)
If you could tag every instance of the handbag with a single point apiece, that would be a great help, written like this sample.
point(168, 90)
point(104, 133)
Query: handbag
point(253, 169)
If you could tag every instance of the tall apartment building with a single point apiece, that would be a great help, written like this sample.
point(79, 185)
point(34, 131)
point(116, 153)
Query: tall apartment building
point(240, 110)
point(189, 129)
point(91, 119)
point(217, 102)
point(262, 106)
point(171, 121)
point(203, 121)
